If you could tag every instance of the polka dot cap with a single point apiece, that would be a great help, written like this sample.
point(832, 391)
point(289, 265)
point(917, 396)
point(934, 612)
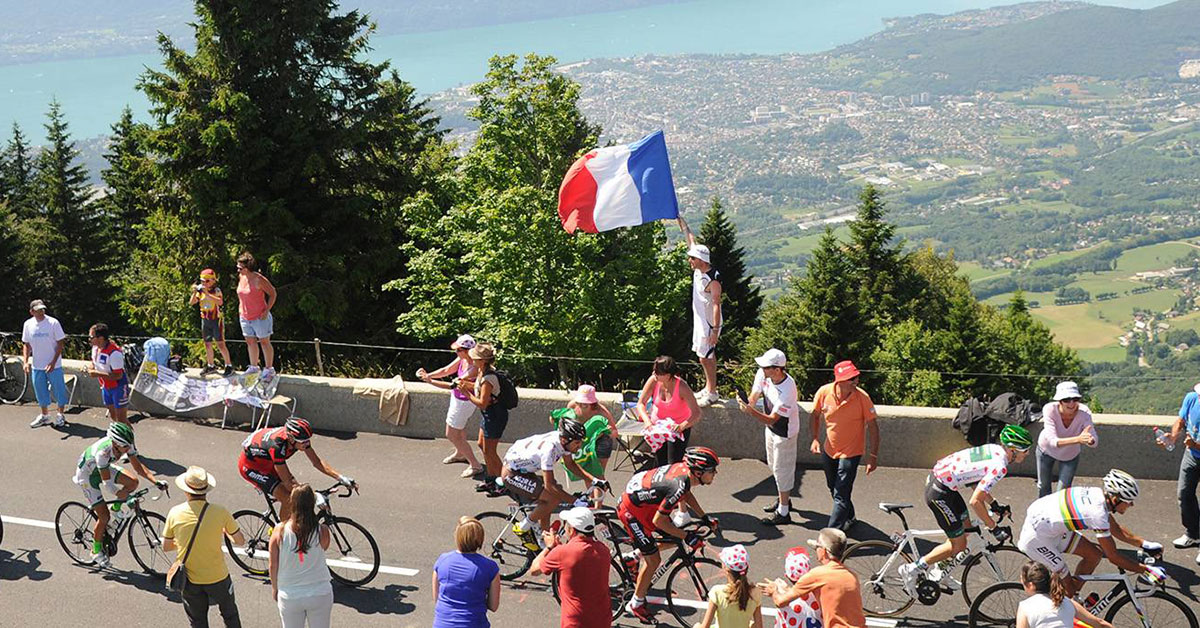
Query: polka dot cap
point(796, 564)
point(735, 558)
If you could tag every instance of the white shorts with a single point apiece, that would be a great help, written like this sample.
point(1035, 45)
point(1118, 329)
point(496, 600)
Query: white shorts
point(781, 458)
point(1048, 549)
point(459, 412)
point(700, 333)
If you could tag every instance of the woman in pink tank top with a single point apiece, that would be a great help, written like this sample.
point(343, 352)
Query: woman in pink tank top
point(670, 398)
point(256, 297)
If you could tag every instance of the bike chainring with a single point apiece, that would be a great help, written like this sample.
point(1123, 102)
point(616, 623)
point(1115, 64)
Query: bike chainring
point(110, 545)
point(928, 592)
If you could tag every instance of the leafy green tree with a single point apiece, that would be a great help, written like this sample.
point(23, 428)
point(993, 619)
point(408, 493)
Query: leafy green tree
point(497, 260)
point(275, 136)
point(16, 174)
point(1026, 349)
point(740, 300)
point(12, 273)
point(130, 181)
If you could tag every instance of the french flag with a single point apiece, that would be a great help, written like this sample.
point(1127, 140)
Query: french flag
point(618, 186)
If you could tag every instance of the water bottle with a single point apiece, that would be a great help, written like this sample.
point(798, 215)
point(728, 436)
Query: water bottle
point(1091, 600)
point(1163, 439)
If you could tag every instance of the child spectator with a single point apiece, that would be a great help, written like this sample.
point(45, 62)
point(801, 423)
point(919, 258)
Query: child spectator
point(208, 296)
point(108, 365)
point(733, 604)
point(804, 611)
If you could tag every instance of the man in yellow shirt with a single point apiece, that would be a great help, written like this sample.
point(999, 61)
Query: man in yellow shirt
point(849, 418)
point(208, 580)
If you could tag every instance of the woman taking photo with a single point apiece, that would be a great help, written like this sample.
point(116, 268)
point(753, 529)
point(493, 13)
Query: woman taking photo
point(1067, 424)
point(670, 398)
point(461, 409)
point(299, 577)
point(484, 393)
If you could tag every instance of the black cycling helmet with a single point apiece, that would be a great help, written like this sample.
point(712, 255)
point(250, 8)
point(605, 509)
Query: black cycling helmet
point(298, 428)
point(570, 429)
point(701, 459)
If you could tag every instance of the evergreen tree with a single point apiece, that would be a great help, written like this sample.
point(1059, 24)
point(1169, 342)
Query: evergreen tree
point(275, 136)
point(130, 179)
point(16, 174)
point(13, 289)
point(877, 259)
point(740, 300)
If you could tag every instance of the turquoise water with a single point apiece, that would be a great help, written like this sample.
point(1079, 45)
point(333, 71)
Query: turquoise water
point(93, 91)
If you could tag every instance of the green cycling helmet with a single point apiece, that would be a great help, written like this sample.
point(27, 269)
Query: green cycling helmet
point(121, 434)
point(1016, 437)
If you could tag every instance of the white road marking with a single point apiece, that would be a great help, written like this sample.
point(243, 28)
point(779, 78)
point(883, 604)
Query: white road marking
point(347, 564)
point(871, 621)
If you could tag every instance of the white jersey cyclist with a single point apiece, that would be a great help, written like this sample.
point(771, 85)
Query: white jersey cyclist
point(1053, 524)
point(536, 453)
point(985, 465)
point(99, 456)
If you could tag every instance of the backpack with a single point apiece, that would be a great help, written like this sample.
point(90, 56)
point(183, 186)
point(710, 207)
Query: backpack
point(158, 350)
point(981, 420)
point(508, 391)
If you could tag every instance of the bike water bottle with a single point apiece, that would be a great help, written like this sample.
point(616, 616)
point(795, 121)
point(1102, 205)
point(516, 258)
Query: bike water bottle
point(1163, 439)
point(1091, 600)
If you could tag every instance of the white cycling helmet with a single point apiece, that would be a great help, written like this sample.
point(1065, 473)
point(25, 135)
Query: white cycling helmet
point(1121, 485)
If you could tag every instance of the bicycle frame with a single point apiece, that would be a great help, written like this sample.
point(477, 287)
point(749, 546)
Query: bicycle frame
point(1123, 585)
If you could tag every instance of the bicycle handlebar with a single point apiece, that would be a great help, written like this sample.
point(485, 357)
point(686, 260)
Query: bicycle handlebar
point(338, 490)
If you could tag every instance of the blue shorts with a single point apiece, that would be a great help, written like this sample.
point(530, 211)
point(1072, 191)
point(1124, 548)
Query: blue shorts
point(262, 328)
point(116, 397)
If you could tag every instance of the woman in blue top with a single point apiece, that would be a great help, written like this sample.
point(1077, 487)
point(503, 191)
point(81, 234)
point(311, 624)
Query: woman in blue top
point(466, 585)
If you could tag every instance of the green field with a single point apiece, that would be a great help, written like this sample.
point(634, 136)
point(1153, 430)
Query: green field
point(805, 244)
point(1154, 257)
point(1115, 353)
point(974, 272)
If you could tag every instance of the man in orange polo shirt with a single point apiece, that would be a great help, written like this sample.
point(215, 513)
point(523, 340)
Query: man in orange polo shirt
point(849, 416)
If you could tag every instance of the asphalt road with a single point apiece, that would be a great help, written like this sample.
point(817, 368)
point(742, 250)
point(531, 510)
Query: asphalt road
point(410, 502)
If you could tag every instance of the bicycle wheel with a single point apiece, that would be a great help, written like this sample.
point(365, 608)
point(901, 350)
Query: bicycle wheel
point(74, 523)
point(1162, 609)
point(687, 589)
point(1002, 564)
point(996, 606)
point(13, 380)
point(877, 564)
point(353, 555)
point(502, 545)
point(145, 543)
point(255, 557)
point(620, 588)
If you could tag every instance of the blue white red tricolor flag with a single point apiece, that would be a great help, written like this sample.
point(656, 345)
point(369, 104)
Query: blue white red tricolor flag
point(618, 186)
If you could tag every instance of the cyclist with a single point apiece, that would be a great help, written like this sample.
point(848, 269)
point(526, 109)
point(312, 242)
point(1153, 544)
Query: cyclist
point(97, 467)
point(529, 475)
point(1054, 525)
point(982, 466)
point(646, 506)
point(265, 453)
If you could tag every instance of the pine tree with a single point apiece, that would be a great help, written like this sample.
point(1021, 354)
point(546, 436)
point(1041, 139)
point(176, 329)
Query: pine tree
point(877, 259)
point(13, 289)
point(129, 178)
point(740, 299)
point(17, 174)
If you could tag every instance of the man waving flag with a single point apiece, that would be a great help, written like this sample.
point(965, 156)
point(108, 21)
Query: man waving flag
point(618, 186)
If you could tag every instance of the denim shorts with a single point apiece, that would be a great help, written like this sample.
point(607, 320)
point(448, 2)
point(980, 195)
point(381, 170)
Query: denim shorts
point(261, 328)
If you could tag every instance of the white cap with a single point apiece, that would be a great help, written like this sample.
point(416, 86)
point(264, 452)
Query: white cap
point(464, 341)
point(773, 357)
point(1067, 390)
point(1197, 389)
point(700, 252)
point(579, 518)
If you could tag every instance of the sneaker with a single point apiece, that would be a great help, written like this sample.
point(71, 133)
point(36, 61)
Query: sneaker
point(910, 572)
point(40, 420)
point(771, 507)
point(60, 420)
point(777, 519)
point(268, 374)
point(211, 368)
point(529, 538)
point(250, 370)
point(100, 561)
point(641, 612)
point(481, 475)
point(228, 370)
point(453, 458)
point(1185, 542)
point(706, 399)
point(471, 472)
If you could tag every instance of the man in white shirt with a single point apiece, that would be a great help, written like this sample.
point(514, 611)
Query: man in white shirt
point(43, 338)
point(706, 314)
point(781, 416)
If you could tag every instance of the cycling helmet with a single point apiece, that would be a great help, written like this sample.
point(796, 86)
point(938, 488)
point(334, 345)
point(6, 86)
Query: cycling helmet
point(121, 434)
point(569, 429)
point(298, 429)
point(1121, 485)
point(1016, 437)
point(701, 459)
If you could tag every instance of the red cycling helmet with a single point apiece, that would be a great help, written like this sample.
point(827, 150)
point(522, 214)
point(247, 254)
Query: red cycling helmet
point(701, 459)
point(299, 429)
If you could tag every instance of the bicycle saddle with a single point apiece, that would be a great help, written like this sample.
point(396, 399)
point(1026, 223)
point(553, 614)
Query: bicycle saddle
point(604, 511)
point(893, 508)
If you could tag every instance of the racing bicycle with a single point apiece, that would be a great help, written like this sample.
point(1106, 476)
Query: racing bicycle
point(877, 564)
point(1132, 601)
point(74, 524)
point(353, 554)
point(13, 378)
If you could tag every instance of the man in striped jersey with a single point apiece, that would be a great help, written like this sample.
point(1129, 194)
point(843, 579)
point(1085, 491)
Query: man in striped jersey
point(1054, 525)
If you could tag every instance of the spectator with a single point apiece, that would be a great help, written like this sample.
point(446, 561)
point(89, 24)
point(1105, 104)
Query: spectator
point(802, 612)
point(672, 399)
point(208, 580)
point(299, 576)
point(849, 416)
point(1067, 424)
point(461, 408)
point(582, 567)
point(1044, 608)
point(208, 296)
point(706, 313)
point(43, 339)
point(256, 297)
point(586, 405)
point(733, 604)
point(601, 428)
point(781, 416)
point(108, 366)
point(466, 585)
point(1189, 468)
point(484, 392)
point(836, 587)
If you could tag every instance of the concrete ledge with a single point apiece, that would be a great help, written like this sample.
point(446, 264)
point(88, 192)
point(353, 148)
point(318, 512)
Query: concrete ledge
point(912, 437)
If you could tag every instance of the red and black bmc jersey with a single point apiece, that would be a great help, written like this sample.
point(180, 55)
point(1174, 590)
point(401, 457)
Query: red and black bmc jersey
point(266, 448)
point(664, 486)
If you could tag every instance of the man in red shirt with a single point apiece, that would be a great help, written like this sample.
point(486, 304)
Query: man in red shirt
point(582, 567)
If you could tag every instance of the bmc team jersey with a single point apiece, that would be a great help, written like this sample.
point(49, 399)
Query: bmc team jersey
point(986, 465)
point(664, 486)
point(110, 361)
point(1073, 509)
point(266, 448)
point(96, 458)
point(535, 453)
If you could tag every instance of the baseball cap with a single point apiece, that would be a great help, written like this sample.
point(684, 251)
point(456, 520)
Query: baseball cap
point(844, 370)
point(580, 518)
point(464, 341)
point(37, 304)
point(773, 357)
point(700, 252)
point(208, 273)
point(1066, 390)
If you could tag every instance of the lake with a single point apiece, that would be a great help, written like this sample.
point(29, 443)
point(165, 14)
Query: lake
point(93, 91)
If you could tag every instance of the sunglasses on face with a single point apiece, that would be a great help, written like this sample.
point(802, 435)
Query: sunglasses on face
point(1071, 400)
